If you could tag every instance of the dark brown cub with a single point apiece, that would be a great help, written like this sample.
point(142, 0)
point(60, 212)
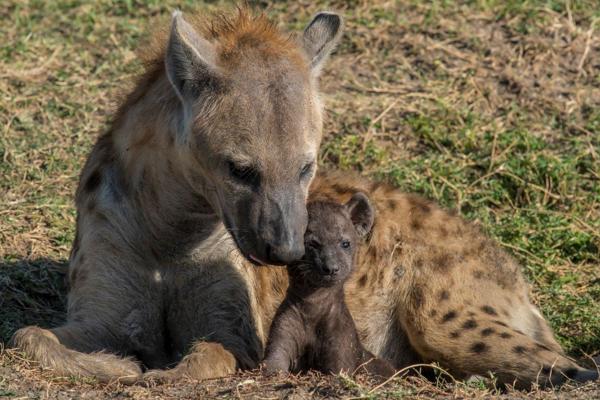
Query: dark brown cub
point(313, 328)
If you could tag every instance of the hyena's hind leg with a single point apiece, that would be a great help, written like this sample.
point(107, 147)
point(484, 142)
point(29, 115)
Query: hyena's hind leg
point(45, 347)
point(477, 345)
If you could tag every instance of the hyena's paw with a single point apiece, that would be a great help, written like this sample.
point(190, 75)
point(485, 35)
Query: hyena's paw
point(155, 377)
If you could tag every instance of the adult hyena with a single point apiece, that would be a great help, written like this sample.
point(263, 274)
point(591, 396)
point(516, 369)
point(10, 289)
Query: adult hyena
point(204, 177)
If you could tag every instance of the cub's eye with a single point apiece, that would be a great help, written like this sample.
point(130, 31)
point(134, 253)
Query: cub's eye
point(243, 174)
point(306, 170)
point(313, 244)
point(345, 244)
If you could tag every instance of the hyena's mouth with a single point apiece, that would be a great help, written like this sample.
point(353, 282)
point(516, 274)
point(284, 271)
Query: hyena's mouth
point(240, 244)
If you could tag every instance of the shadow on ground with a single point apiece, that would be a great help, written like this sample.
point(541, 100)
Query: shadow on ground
point(32, 292)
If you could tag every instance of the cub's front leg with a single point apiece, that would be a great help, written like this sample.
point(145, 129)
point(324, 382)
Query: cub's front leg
point(286, 341)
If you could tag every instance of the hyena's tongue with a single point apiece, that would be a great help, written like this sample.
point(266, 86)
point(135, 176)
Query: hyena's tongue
point(256, 260)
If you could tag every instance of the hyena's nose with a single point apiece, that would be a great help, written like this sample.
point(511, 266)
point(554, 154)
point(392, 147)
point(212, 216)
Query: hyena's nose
point(330, 269)
point(284, 254)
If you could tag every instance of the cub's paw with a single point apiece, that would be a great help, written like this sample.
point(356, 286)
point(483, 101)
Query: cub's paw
point(270, 369)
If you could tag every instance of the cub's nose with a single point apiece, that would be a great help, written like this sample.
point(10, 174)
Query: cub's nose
point(330, 269)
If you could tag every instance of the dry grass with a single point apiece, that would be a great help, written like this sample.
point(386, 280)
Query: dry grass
point(490, 107)
point(23, 378)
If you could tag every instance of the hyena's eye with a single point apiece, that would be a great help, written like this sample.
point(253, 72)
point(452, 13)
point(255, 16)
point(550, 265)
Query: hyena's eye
point(244, 174)
point(345, 244)
point(306, 170)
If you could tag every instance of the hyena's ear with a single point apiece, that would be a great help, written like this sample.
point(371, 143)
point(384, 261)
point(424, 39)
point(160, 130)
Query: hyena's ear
point(320, 37)
point(189, 60)
point(361, 212)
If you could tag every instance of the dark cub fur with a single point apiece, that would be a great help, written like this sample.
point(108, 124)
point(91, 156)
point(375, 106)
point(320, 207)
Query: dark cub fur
point(313, 328)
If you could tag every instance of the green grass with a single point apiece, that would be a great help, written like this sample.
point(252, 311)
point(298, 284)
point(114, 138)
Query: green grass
point(488, 107)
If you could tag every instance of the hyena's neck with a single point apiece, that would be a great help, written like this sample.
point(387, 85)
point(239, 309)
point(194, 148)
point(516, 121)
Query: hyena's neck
point(135, 177)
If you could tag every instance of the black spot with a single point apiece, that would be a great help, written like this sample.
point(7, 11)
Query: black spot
point(93, 181)
point(372, 251)
point(546, 370)
point(442, 262)
point(571, 373)
point(455, 334)
point(519, 349)
point(444, 295)
point(432, 313)
point(487, 332)
point(449, 316)
point(500, 323)
point(399, 271)
point(479, 347)
point(489, 310)
point(505, 335)
point(418, 263)
point(416, 224)
point(470, 324)
point(421, 205)
point(392, 204)
point(362, 281)
point(418, 297)
point(478, 274)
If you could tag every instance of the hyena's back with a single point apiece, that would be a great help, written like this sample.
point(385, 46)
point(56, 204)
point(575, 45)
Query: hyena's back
point(428, 277)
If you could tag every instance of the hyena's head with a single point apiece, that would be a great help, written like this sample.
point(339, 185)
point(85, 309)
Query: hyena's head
point(250, 125)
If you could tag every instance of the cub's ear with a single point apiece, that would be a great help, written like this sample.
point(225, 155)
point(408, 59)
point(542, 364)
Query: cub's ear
point(320, 37)
point(361, 212)
point(190, 60)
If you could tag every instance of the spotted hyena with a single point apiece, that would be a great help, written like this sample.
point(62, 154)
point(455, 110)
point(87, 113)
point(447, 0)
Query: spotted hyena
point(313, 328)
point(203, 179)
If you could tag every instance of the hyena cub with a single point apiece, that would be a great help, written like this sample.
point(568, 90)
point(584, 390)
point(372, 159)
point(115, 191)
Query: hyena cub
point(313, 328)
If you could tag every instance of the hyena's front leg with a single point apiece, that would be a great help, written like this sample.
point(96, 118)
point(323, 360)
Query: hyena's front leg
point(206, 360)
point(211, 323)
point(48, 347)
point(111, 315)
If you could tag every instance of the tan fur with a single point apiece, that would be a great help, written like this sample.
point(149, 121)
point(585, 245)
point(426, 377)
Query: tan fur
point(155, 275)
point(461, 299)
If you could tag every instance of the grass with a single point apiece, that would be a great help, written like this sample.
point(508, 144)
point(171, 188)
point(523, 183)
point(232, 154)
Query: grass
point(489, 107)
